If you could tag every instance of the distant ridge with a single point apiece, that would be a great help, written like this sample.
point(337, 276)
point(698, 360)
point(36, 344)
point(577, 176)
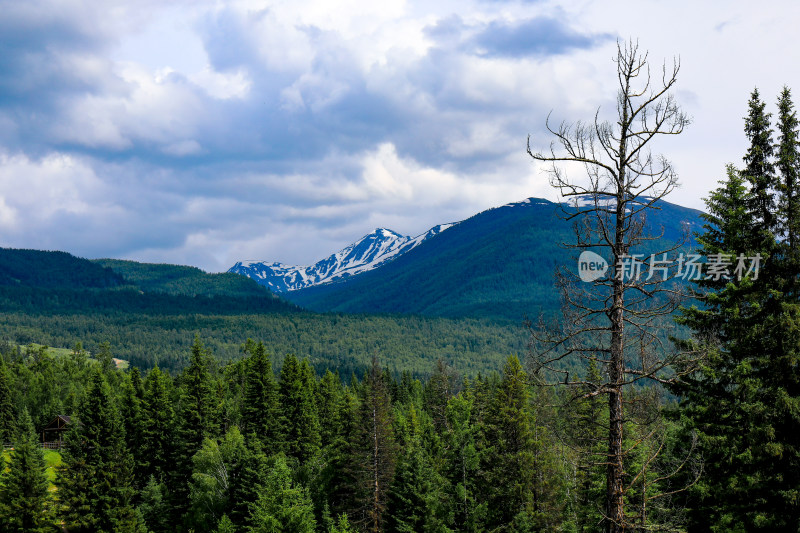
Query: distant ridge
point(368, 253)
point(497, 264)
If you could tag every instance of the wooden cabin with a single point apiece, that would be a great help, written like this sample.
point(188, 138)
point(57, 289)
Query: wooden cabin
point(53, 433)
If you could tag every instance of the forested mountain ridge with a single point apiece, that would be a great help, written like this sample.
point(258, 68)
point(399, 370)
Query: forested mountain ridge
point(182, 280)
point(51, 270)
point(497, 264)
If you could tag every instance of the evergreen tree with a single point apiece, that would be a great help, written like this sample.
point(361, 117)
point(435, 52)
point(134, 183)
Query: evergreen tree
point(23, 489)
point(260, 410)
point(283, 505)
point(158, 426)
point(197, 421)
point(509, 461)
point(743, 404)
point(438, 391)
point(7, 411)
point(94, 483)
point(342, 525)
point(759, 168)
point(329, 404)
point(225, 525)
point(132, 416)
point(299, 412)
point(105, 359)
point(584, 419)
point(374, 452)
point(788, 165)
point(416, 498)
point(340, 481)
point(154, 506)
point(463, 461)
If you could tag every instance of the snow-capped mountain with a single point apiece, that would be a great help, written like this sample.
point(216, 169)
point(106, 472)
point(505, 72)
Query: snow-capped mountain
point(368, 253)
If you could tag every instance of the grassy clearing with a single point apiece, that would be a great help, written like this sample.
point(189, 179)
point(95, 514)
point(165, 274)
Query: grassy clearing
point(51, 457)
point(121, 364)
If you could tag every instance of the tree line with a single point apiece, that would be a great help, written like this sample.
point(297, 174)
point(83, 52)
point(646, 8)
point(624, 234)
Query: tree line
point(241, 448)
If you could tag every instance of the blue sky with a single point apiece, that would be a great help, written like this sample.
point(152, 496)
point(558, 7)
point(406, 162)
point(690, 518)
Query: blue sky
point(206, 132)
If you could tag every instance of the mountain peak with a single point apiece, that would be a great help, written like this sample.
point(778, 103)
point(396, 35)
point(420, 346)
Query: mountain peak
point(367, 253)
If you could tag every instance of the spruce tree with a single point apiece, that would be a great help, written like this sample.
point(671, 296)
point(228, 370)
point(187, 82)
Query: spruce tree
point(7, 411)
point(759, 168)
point(283, 505)
point(416, 499)
point(132, 416)
point(23, 489)
point(371, 455)
point(788, 165)
point(298, 407)
point(463, 461)
point(743, 404)
point(94, 483)
point(197, 421)
point(341, 478)
point(509, 460)
point(584, 419)
point(158, 426)
point(260, 411)
point(329, 400)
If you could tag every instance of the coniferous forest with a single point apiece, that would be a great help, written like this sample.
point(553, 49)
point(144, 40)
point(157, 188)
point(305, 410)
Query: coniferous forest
point(710, 442)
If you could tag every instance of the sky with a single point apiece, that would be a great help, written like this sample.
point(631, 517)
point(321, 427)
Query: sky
point(204, 132)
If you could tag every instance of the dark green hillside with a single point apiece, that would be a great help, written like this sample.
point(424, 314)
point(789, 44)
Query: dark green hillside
point(48, 283)
point(51, 270)
point(499, 264)
point(153, 312)
point(182, 280)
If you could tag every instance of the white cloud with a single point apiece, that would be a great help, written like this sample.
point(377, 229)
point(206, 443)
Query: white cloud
point(34, 192)
point(206, 131)
point(223, 86)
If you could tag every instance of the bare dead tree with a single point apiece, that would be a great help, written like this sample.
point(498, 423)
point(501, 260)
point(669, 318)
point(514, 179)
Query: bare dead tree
point(617, 319)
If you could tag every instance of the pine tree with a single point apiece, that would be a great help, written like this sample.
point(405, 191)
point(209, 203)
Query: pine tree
point(23, 489)
point(94, 483)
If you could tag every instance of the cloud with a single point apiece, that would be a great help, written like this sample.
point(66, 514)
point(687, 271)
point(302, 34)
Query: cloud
point(204, 132)
point(535, 36)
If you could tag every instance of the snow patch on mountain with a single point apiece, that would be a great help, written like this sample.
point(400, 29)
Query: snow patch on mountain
point(368, 253)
